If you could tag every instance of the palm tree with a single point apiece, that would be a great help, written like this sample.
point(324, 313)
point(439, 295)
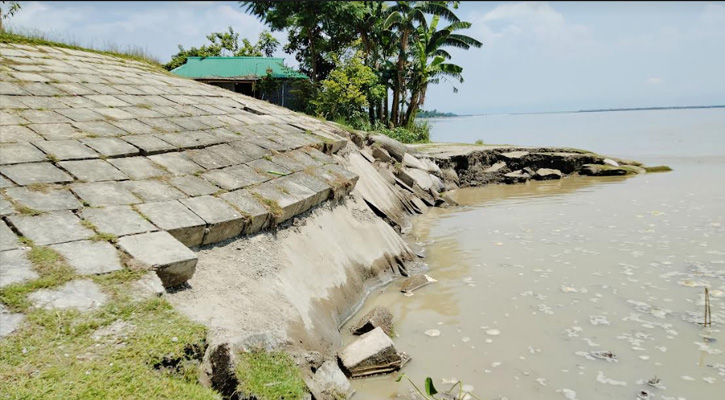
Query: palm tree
point(404, 17)
point(429, 60)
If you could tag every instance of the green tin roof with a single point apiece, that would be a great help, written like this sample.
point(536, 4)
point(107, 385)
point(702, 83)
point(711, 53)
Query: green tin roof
point(246, 68)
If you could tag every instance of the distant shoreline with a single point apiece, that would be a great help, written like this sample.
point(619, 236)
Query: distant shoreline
point(601, 110)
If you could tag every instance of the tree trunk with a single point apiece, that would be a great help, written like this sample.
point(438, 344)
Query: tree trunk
point(313, 55)
point(386, 110)
point(371, 111)
point(400, 81)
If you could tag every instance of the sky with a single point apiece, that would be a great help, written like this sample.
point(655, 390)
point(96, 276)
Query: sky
point(537, 56)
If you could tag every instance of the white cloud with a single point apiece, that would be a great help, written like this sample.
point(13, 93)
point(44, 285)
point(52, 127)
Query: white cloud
point(654, 81)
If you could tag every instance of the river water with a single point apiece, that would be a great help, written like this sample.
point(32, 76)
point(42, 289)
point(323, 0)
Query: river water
point(537, 280)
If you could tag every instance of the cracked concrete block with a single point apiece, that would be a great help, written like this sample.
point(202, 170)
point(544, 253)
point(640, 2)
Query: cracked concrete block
point(44, 200)
point(177, 219)
point(28, 174)
point(256, 214)
point(193, 185)
point(236, 177)
point(153, 190)
point(110, 146)
point(138, 167)
point(83, 295)
point(8, 239)
point(373, 353)
point(93, 170)
point(173, 262)
point(66, 149)
point(20, 153)
point(16, 267)
point(89, 257)
point(149, 144)
point(117, 220)
point(177, 163)
point(51, 228)
point(101, 194)
point(223, 221)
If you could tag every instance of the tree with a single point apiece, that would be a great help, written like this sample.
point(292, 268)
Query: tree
point(226, 44)
point(404, 18)
point(429, 60)
point(314, 29)
point(7, 10)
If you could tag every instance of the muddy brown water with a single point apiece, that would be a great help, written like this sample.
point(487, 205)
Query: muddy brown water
point(535, 278)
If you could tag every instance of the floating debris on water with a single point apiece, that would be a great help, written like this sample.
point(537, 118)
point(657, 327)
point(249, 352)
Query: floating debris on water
point(598, 320)
point(493, 332)
point(433, 332)
point(603, 379)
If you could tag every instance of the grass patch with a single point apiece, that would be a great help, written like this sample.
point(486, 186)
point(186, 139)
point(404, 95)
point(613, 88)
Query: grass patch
point(52, 269)
point(269, 376)
point(55, 355)
point(658, 168)
point(479, 142)
point(104, 237)
point(271, 205)
point(38, 38)
point(24, 210)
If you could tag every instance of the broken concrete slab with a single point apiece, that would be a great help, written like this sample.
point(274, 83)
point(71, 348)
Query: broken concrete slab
point(93, 170)
point(193, 185)
point(66, 150)
point(516, 177)
point(514, 155)
point(607, 170)
point(100, 194)
point(20, 153)
point(495, 168)
point(51, 228)
point(138, 167)
point(223, 221)
point(329, 382)
point(381, 154)
point(177, 219)
point(117, 220)
point(9, 321)
point(415, 282)
point(28, 174)
point(16, 267)
point(90, 257)
point(396, 149)
point(44, 200)
point(148, 286)
point(373, 353)
point(378, 317)
point(173, 262)
point(420, 177)
point(83, 295)
point(547, 174)
point(411, 161)
point(8, 239)
point(257, 215)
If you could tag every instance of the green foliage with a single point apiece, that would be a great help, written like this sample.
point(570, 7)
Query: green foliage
point(269, 376)
point(347, 90)
point(226, 44)
point(7, 10)
point(434, 114)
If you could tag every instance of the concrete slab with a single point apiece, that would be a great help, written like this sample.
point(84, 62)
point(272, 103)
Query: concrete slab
point(117, 220)
point(114, 113)
point(173, 262)
point(43, 117)
point(28, 174)
point(57, 131)
point(15, 133)
point(257, 215)
point(6, 208)
point(8, 239)
point(177, 163)
point(138, 167)
point(16, 267)
point(133, 126)
point(66, 149)
point(149, 144)
point(268, 168)
point(80, 114)
point(90, 258)
point(322, 189)
point(153, 190)
point(44, 200)
point(210, 159)
point(20, 153)
point(223, 221)
point(189, 140)
point(282, 206)
point(236, 177)
point(250, 151)
point(177, 219)
point(193, 185)
point(93, 170)
point(110, 146)
point(101, 194)
point(9, 322)
point(99, 128)
point(51, 228)
point(83, 295)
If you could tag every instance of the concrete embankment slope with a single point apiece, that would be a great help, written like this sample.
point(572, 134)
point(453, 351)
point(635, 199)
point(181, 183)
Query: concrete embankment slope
point(267, 226)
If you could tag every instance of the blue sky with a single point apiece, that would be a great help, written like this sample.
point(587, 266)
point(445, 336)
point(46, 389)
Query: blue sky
point(537, 56)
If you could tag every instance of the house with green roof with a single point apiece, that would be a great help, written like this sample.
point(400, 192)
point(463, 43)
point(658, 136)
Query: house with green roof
point(265, 78)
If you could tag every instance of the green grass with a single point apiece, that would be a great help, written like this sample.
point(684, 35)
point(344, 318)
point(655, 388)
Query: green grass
point(38, 38)
point(104, 237)
point(54, 355)
point(269, 376)
point(658, 168)
point(479, 142)
point(28, 211)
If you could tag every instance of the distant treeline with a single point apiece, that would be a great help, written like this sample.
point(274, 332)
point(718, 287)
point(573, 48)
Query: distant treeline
point(434, 114)
point(649, 108)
